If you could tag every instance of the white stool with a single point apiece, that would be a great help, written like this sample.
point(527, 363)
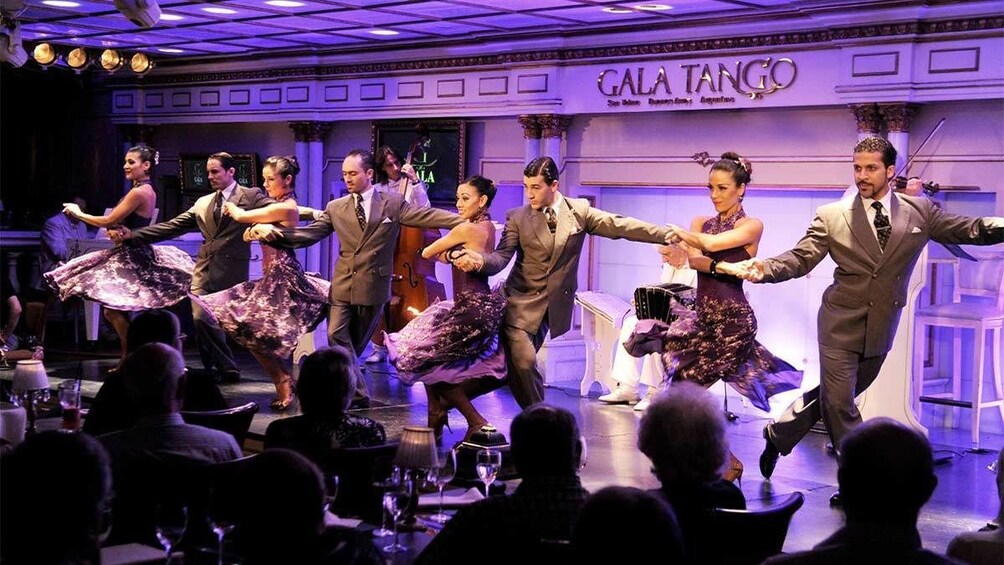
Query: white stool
point(984, 278)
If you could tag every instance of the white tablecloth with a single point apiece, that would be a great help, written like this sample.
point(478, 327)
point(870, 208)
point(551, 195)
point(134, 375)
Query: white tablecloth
point(13, 420)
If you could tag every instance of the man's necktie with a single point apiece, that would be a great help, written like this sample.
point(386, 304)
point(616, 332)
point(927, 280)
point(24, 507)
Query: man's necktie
point(218, 207)
point(360, 213)
point(882, 226)
point(552, 221)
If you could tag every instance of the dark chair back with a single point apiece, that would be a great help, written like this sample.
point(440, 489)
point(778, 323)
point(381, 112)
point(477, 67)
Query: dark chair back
point(360, 471)
point(753, 535)
point(235, 421)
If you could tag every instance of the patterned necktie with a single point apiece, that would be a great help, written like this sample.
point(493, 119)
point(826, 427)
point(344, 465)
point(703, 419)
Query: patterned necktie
point(218, 207)
point(552, 221)
point(882, 226)
point(360, 213)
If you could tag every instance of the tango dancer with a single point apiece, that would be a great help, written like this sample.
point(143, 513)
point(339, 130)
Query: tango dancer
point(546, 236)
point(268, 316)
point(717, 340)
point(454, 341)
point(126, 278)
point(875, 239)
point(223, 257)
point(367, 223)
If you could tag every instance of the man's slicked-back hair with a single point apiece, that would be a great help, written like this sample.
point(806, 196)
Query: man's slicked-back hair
point(542, 166)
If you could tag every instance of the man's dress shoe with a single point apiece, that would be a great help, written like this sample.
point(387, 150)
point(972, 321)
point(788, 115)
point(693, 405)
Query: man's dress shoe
point(769, 457)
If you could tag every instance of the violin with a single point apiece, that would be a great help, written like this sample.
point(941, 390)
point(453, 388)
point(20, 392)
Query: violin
point(929, 188)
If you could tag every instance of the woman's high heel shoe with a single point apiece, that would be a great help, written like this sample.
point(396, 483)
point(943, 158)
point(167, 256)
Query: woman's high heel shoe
point(281, 403)
point(735, 471)
point(438, 419)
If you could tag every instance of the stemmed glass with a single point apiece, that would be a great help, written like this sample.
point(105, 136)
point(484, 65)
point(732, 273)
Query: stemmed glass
point(393, 482)
point(394, 502)
point(441, 476)
point(172, 521)
point(585, 452)
point(331, 492)
point(489, 461)
point(220, 523)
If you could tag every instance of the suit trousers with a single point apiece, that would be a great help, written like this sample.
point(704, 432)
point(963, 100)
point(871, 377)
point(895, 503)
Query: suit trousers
point(351, 326)
point(844, 375)
point(525, 380)
point(212, 341)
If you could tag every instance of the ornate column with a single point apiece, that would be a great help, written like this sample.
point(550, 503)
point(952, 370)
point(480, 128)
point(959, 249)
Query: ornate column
point(868, 118)
point(309, 150)
point(897, 122)
point(552, 128)
point(531, 137)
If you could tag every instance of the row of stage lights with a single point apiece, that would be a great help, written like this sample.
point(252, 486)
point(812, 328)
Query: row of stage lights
point(78, 59)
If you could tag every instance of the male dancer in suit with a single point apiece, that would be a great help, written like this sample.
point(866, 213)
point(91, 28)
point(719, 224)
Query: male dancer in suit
point(367, 223)
point(223, 256)
point(546, 236)
point(875, 239)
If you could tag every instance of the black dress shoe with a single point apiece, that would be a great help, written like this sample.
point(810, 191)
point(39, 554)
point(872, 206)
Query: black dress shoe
point(836, 499)
point(769, 457)
point(359, 403)
point(230, 377)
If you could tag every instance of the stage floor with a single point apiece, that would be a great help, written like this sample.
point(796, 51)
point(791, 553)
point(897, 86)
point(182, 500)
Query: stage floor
point(965, 498)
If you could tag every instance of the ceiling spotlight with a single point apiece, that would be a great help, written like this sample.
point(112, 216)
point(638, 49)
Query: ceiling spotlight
point(143, 13)
point(384, 32)
point(111, 60)
point(653, 7)
point(44, 54)
point(615, 10)
point(11, 49)
point(140, 63)
point(78, 59)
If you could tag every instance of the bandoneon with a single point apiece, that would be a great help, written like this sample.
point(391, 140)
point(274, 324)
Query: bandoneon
point(656, 302)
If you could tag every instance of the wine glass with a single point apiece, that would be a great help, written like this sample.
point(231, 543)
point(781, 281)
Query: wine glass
point(331, 492)
point(583, 456)
point(220, 523)
point(441, 476)
point(170, 526)
point(392, 482)
point(489, 461)
point(394, 502)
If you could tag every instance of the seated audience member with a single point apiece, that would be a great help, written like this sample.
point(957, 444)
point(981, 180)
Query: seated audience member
point(623, 513)
point(985, 546)
point(886, 474)
point(683, 433)
point(325, 389)
point(59, 484)
point(150, 458)
point(290, 528)
point(546, 449)
point(10, 312)
point(110, 410)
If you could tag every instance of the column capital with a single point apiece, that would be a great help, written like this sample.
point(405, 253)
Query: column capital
point(136, 134)
point(868, 117)
point(553, 125)
point(310, 131)
point(898, 115)
point(531, 126)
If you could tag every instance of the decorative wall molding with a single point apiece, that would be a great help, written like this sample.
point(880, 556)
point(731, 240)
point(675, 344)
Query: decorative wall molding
point(310, 131)
point(773, 40)
point(867, 116)
point(898, 116)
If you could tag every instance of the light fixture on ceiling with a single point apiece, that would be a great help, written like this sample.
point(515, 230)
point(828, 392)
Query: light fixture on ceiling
point(78, 59)
point(11, 49)
point(653, 7)
point(45, 54)
point(616, 10)
point(285, 3)
point(111, 60)
point(220, 11)
point(143, 13)
point(385, 32)
point(140, 63)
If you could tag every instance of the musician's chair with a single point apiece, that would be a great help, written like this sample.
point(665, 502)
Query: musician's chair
point(983, 282)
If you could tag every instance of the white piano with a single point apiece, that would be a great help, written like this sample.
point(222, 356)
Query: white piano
point(189, 243)
point(602, 317)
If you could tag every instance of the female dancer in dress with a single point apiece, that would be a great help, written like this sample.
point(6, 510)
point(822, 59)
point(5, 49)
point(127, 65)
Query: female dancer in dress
point(718, 342)
point(126, 278)
point(268, 316)
point(452, 347)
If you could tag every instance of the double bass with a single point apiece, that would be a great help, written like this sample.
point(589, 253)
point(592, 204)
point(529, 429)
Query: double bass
point(413, 283)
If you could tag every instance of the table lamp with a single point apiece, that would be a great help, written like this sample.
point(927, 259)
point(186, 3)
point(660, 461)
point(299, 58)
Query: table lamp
point(31, 385)
point(416, 453)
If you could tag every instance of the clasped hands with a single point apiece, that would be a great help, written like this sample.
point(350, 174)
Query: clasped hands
point(751, 270)
point(467, 260)
point(262, 232)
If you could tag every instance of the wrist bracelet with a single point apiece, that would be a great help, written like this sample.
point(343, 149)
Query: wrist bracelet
point(714, 267)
